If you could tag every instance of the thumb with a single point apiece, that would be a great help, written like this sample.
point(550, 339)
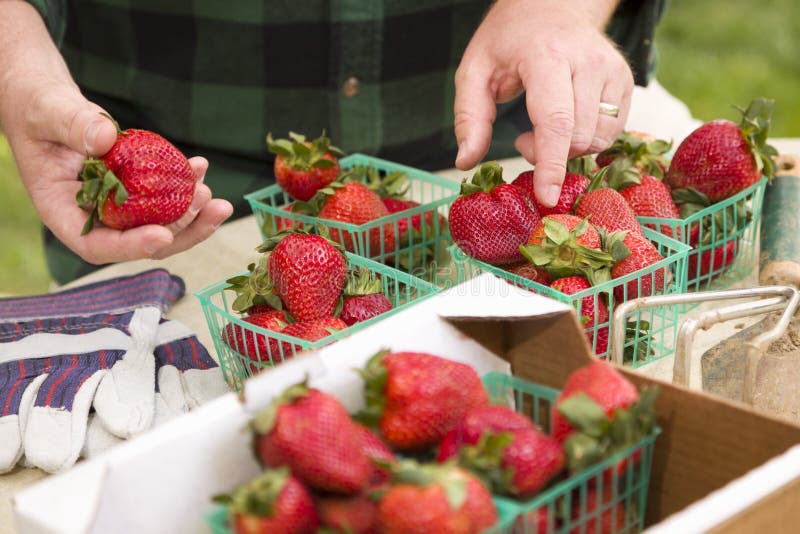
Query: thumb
point(74, 122)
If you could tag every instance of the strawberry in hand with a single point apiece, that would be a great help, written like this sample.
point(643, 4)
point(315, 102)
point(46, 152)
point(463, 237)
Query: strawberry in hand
point(142, 180)
point(304, 167)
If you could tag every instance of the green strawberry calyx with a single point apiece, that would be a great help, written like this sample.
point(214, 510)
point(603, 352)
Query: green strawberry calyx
point(313, 206)
point(583, 165)
point(447, 475)
point(392, 184)
point(375, 376)
point(304, 155)
point(755, 129)
point(486, 178)
point(485, 459)
point(254, 288)
point(361, 282)
point(598, 436)
point(561, 254)
point(264, 421)
point(258, 496)
point(636, 152)
point(98, 185)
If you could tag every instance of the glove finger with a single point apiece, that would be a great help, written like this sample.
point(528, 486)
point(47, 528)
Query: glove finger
point(98, 438)
point(171, 399)
point(17, 400)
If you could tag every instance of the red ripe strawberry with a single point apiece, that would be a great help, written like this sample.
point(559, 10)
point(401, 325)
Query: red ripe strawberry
point(612, 519)
point(312, 330)
point(363, 297)
point(303, 167)
point(475, 423)
point(566, 245)
point(282, 223)
point(720, 158)
point(491, 219)
point(352, 203)
point(574, 186)
point(589, 238)
point(349, 515)
point(275, 502)
point(703, 262)
point(414, 399)
point(306, 271)
point(255, 309)
point(642, 254)
point(377, 452)
point(148, 180)
point(652, 198)
point(530, 271)
point(538, 521)
point(435, 498)
point(311, 432)
point(599, 413)
point(593, 311)
point(607, 209)
point(257, 347)
point(396, 205)
point(639, 149)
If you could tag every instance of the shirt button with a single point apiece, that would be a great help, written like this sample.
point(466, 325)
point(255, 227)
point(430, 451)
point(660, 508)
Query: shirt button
point(350, 87)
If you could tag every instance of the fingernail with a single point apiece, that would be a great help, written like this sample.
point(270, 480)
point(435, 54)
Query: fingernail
point(551, 194)
point(90, 135)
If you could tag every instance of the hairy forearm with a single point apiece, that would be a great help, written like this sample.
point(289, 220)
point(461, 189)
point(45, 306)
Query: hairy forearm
point(597, 11)
point(27, 56)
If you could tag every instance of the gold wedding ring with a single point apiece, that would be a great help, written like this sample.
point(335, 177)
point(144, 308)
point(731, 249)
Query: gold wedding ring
point(609, 109)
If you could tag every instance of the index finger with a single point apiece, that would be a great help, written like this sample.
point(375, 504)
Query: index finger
point(550, 100)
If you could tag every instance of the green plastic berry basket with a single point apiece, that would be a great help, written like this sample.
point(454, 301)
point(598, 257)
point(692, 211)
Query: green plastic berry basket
point(651, 334)
point(420, 252)
point(226, 326)
point(626, 487)
point(623, 486)
point(714, 262)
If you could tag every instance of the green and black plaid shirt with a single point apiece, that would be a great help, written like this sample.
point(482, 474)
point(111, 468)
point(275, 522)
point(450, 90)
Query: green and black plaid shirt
point(214, 77)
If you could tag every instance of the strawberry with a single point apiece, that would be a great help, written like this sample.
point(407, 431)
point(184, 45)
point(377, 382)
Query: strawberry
point(607, 209)
point(352, 203)
point(356, 514)
point(414, 398)
point(363, 297)
point(721, 158)
point(518, 463)
point(306, 271)
point(611, 519)
point(256, 309)
point(475, 423)
point(435, 498)
point(566, 245)
point(599, 413)
point(275, 502)
point(275, 223)
point(530, 271)
point(491, 219)
point(304, 167)
point(652, 198)
point(311, 330)
point(377, 452)
point(149, 180)
point(257, 346)
point(537, 521)
point(639, 149)
point(574, 186)
point(642, 254)
point(591, 310)
point(311, 432)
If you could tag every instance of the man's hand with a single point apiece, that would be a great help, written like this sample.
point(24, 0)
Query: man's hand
point(557, 53)
point(51, 128)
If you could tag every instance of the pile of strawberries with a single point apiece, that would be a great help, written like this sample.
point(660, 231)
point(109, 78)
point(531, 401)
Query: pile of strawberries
point(429, 451)
point(590, 237)
point(309, 172)
point(301, 287)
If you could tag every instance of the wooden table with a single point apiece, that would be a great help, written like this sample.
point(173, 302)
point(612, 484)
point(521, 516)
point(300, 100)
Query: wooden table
point(229, 250)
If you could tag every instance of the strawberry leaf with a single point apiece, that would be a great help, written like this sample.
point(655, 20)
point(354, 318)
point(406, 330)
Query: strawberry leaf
point(585, 414)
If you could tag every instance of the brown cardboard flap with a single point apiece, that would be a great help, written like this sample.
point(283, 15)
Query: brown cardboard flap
point(706, 442)
point(778, 513)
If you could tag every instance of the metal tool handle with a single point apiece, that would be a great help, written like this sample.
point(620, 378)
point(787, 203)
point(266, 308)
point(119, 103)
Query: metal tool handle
point(757, 346)
point(773, 299)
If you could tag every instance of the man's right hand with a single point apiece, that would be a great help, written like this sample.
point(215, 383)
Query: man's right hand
point(51, 128)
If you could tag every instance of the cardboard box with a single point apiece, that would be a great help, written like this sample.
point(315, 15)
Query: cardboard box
point(162, 481)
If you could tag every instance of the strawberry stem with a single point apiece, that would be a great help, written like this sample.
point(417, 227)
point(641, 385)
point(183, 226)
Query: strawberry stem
point(755, 129)
point(98, 183)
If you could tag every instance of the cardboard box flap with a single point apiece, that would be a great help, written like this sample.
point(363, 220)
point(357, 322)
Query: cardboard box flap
point(724, 504)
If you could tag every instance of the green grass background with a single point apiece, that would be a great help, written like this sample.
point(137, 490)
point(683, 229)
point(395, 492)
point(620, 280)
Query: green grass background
point(712, 53)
